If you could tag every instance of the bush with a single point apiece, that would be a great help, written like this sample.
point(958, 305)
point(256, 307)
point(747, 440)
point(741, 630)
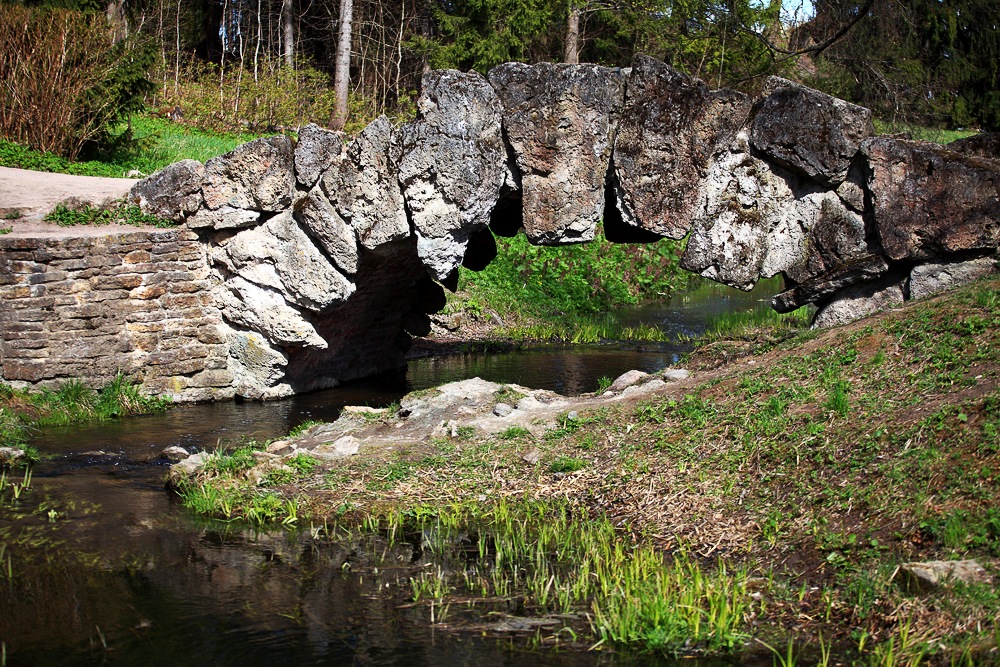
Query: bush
point(66, 81)
point(234, 99)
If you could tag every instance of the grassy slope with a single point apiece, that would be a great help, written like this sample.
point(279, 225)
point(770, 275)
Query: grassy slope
point(158, 143)
point(820, 465)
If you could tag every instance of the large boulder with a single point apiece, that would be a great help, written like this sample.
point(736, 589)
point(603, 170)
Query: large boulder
point(930, 201)
point(984, 145)
point(861, 300)
point(315, 151)
point(331, 232)
point(672, 126)
point(225, 217)
point(560, 121)
point(279, 255)
point(171, 193)
point(364, 188)
point(808, 131)
point(754, 219)
point(257, 366)
point(257, 175)
point(452, 165)
point(263, 310)
point(928, 279)
point(825, 285)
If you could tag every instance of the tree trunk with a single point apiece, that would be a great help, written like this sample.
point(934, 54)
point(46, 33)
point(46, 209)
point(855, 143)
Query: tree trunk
point(342, 76)
point(573, 36)
point(289, 29)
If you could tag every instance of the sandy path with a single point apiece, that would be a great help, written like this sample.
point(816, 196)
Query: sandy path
point(35, 193)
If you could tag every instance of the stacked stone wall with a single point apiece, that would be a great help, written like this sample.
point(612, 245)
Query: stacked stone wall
point(88, 307)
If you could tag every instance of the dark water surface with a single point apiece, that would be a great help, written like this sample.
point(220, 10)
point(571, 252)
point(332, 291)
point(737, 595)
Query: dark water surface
point(107, 569)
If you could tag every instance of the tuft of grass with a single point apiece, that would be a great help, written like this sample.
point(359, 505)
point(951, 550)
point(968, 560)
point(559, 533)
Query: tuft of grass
point(303, 427)
point(514, 433)
point(23, 411)
point(87, 215)
point(566, 464)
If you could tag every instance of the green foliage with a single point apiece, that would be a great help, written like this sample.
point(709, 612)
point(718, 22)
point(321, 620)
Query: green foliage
point(566, 464)
point(480, 34)
point(68, 80)
point(567, 287)
point(927, 62)
point(275, 98)
point(23, 411)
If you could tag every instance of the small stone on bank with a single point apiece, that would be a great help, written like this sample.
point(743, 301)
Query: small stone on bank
point(930, 575)
point(502, 409)
point(532, 455)
point(174, 453)
point(627, 379)
point(672, 374)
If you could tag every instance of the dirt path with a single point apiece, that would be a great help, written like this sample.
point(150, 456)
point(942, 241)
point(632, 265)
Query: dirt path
point(32, 194)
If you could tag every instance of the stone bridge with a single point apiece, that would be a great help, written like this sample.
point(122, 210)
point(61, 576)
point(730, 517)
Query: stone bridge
point(302, 265)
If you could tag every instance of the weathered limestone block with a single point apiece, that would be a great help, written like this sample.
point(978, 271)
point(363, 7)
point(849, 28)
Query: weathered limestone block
point(817, 233)
point(171, 193)
point(809, 131)
point(263, 310)
point(755, 219)
point(256, 366)
point(928, 279)
point(452, 165)
point(225, 217)
point(672, 127)
point(365, 189)
point(315, 152)
point(867, 268)
point(930, 201)
point(324, 224)
point(257, 175)
point(279, 255)
point(740, 202)
point(857, 301)
point(560, 121)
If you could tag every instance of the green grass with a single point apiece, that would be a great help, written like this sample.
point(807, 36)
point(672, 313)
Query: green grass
point(936, 135)
point(564, 292)
point(557, 559)
point(88, 215)
point(156, 143)
point(776, 498)
point(22, 411)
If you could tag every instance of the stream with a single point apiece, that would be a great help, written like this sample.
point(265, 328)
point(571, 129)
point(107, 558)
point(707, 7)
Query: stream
point(99, 565)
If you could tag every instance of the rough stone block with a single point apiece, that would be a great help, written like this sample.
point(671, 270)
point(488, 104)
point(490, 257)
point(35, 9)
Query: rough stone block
point(316, 150)
point(930, 201)
point(672, 127)
point(928, 279)
point(808, 131)
point(452, 165)
point(171, 193)
point(560, 121)
point(257, 176)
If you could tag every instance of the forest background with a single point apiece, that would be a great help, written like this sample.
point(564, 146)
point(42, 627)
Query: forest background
point(75, 71)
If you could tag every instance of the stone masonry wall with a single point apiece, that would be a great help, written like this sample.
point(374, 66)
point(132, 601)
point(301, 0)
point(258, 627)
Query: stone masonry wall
point(88, 307)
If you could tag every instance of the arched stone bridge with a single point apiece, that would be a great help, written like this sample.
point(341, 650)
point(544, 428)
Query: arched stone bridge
point(315, 262)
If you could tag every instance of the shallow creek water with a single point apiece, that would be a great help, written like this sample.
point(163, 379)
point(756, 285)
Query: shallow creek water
point(103, 566)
